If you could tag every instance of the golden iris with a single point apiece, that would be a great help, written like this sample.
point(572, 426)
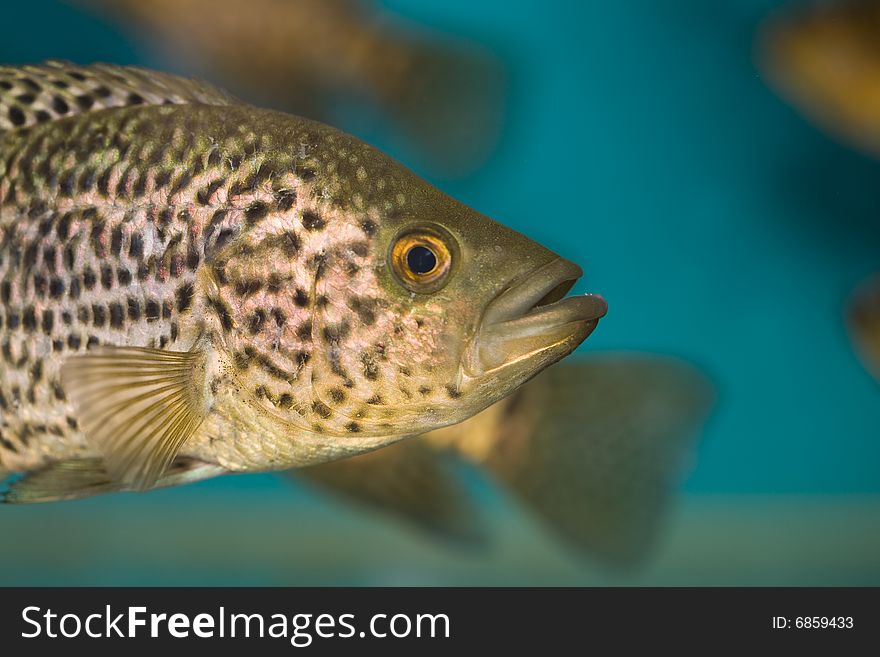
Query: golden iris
point(421, 261)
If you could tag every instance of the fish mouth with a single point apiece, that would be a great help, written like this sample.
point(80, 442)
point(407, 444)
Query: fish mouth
point(533, 319)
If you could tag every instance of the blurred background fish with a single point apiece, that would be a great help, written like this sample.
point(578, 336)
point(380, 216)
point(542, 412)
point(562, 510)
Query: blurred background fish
point(864, 323)
point(824, 57)
point(314, 58)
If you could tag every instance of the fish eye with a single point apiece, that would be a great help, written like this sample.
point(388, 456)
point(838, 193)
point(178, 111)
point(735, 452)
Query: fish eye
point(421, 260)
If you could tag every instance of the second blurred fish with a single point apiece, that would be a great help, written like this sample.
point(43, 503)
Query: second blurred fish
point(592, 447)
point(864, 323)
point(825, 59)
point(310, 56)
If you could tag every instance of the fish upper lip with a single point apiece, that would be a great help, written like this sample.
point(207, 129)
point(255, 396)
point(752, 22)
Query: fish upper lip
point(538, 301)
point(531, 324)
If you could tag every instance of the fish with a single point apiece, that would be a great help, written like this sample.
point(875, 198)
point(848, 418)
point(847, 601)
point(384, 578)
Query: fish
point(824, 58)
point(193, 286)
point(320, 58)
point(863, 322)
point(593, 448)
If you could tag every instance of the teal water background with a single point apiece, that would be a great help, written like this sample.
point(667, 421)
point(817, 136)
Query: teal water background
point(641, 142)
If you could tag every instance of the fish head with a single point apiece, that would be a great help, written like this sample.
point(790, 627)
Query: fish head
point(386, 308)
point(485, 308)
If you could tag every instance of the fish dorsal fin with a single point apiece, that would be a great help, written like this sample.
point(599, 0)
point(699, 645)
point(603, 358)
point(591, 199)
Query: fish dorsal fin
point(137, 406)
point(54, 90)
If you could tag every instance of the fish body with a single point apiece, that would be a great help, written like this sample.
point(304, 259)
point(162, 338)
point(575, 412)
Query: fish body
point(187, 279)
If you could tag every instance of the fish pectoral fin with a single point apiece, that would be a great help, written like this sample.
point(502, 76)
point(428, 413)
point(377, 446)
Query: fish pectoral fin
point(78, 478)
point(137, 406)
point(410, 480)
point(62, 480)
point(594, 447)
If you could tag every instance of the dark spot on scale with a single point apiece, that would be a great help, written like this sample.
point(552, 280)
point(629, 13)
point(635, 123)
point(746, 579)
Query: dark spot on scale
point(16, 116)
point(48, 321)
point(256, 211)
point(60, 105)
point(29, 319)
point(117, 315)
point(424, 390)
point(151, 310)
point(89, 279)
point(304, 331)
point(273, 284)
point(63, 228)
point(184, 295)
point(375, 400)
point(56, 288)
point(99, 313)
point(136, 248)
point(284, 199)
point(312, 221)
point(82, 314)
point(135, 99)
point(256, 322)
point(285, 401)
point(301, 298)
point(30, 256)
point(371, 368)
point(85, 101)
point(222, 311)
point(162, 178)
point(453, 391)
point(192, 258)
point(42, 116)
point(41, 285)
point(336, 395)
point(279, 317)
point(321, 409)
point(106, 277)
point(123, 276)
point(74, 342)
point(74, 288)
point(248, 288)
point(134, 309)
point(224, 237)
point(334, 334)
point(369, 227)
point(92, 342)
point(353, 427)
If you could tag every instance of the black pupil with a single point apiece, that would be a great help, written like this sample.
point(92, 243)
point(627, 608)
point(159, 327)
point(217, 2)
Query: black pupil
point(421, 260)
